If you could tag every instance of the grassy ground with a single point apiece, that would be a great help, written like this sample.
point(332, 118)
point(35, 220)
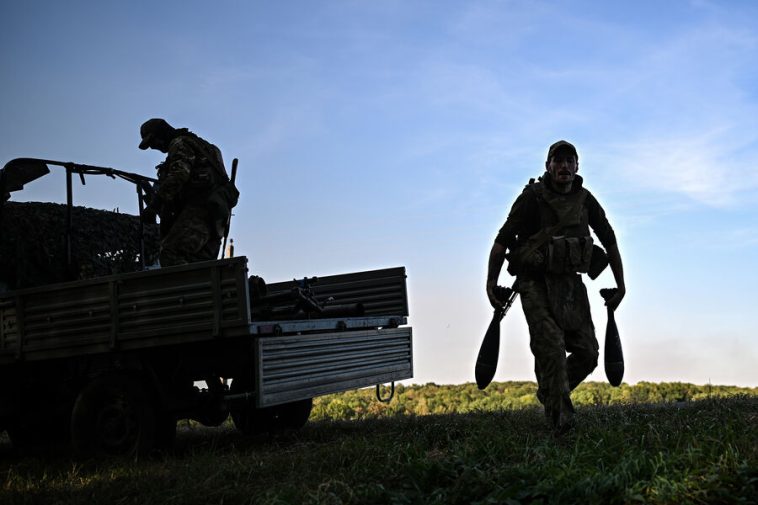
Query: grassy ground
point(699, 452)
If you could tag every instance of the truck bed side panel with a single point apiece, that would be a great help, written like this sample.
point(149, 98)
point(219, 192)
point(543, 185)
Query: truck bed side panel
point(380, 291)
point(295, 367)
point(195, 302)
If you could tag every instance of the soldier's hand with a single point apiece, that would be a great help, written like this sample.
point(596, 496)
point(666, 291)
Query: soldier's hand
point(493, 293)
point(148, 191)
point(149, 214)
point(614, 301)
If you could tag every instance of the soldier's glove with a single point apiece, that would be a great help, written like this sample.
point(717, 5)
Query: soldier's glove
point(495, 294)
point(149, 214)
point(154, 208)
point(502, 293)
point(148, 190)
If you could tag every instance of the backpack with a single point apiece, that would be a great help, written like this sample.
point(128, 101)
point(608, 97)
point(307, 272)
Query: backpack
point(223, 194)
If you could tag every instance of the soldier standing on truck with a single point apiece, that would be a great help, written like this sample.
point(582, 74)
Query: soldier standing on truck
point(193, 196)
point(546, 239)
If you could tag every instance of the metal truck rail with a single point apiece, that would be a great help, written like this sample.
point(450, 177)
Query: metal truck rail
point(161, 307)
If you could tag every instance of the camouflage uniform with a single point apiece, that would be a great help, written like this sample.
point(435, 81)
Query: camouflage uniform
point(555, 304)
point(186, 178)
point(190, 238)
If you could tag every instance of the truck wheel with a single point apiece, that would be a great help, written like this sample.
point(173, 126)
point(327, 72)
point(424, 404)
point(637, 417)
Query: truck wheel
point(112, 415)
point(243, 412)
point(294, 415)
point(253, 421)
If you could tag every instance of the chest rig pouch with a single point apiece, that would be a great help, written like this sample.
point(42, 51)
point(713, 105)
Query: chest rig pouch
point(563, 244)
point(569, 247)
point(569, 254)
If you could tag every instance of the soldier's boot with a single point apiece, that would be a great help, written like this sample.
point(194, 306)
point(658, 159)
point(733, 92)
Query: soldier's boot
point(541, 396)
point(564, 421)
point(560, 414)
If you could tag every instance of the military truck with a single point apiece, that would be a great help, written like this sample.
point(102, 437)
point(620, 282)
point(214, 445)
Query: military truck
point(99, 349)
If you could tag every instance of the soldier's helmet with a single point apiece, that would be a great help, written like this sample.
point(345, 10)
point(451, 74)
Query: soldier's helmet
point(152, 129)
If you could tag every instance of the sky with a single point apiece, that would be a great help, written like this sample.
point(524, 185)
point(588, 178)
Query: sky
point(374, 134)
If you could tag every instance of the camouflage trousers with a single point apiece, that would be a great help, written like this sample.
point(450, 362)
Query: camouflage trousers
point(557, 312)
point(189, 238)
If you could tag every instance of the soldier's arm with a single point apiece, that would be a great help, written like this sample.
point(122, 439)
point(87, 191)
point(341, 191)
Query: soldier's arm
point(614, 260)
point(602, 228)
point(180, 159)
point(495, 265)
point(522, 208)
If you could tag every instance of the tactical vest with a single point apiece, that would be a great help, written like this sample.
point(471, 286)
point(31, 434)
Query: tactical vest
point(208, 170)
point(213, 185)
point(209, 183)
point(563, 244)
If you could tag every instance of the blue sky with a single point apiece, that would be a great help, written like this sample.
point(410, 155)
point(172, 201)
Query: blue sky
point(375, 134)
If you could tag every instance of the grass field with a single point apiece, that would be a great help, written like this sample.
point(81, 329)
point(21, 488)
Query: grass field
point(693, 452)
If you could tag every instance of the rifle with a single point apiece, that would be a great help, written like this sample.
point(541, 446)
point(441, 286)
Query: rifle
point(229, 219)
point(614, 356)
point(486, 360)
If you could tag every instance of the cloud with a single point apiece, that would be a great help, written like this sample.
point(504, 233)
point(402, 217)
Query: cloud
point(680, 119)
point(726, 239)
point(702, 167)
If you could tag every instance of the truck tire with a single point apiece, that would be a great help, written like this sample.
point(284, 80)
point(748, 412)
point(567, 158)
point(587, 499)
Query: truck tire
point(287, 416)
point(112, 415)
point(254, 421)
point(243, 411)
point(294, 415)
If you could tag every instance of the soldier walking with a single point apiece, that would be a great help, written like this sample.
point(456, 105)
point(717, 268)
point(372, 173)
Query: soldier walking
point(546, 240)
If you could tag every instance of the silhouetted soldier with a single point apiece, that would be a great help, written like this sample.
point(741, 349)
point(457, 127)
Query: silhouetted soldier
point(190, 196)
point(548, 244)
